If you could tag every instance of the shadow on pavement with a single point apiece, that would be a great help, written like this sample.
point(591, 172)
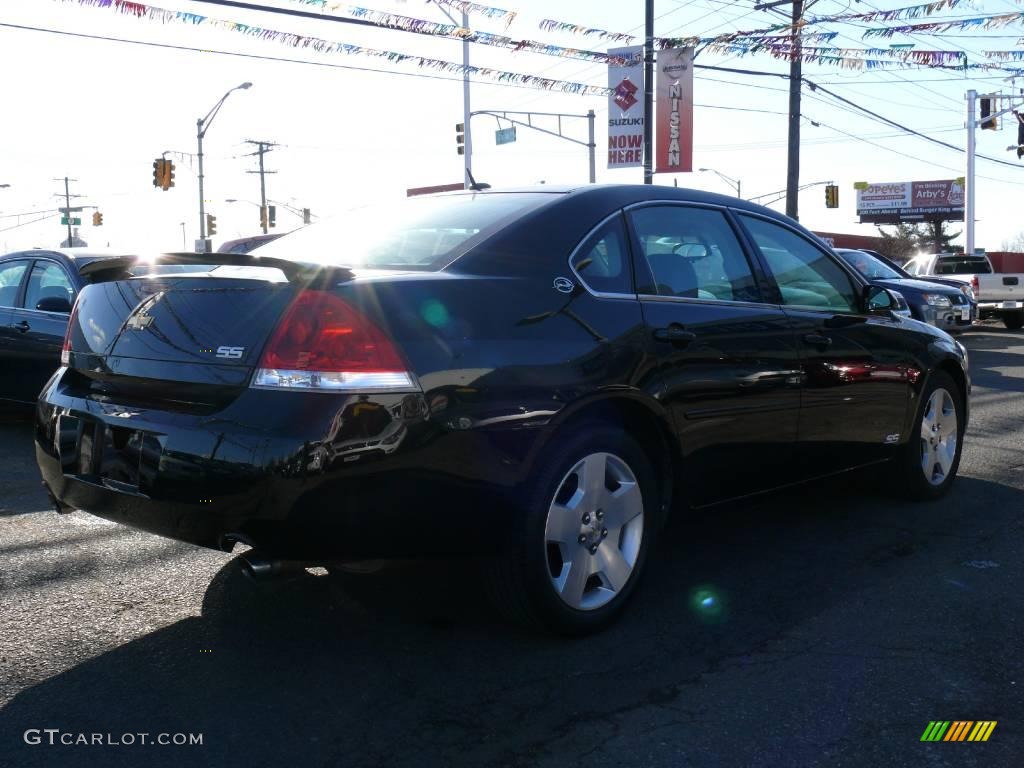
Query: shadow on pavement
point(410, 668)
point(21, 490)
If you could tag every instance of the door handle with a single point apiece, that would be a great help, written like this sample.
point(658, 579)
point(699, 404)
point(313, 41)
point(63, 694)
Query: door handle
point(23, 326)
point(817, 340)
point(674, 334)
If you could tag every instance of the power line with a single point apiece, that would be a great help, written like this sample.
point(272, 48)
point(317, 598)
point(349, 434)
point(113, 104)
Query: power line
point(896, 124)
point(34, 221)
point(147, 43)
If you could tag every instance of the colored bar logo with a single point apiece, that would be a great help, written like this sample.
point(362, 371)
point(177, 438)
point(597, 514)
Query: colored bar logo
point(958, 730)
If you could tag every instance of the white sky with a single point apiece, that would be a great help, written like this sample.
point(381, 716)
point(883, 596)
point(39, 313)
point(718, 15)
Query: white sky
point(101, 111)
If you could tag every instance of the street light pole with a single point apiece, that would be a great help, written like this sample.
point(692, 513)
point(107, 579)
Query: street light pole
point(727, 179)
point(202, 126)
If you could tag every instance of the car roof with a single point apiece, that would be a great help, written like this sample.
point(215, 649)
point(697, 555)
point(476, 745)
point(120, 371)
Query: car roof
point(77, 256)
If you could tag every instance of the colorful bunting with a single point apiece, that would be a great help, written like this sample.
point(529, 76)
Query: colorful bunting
point(471, 9)
point(140, 10)
point(932, 27)
point(550, 25)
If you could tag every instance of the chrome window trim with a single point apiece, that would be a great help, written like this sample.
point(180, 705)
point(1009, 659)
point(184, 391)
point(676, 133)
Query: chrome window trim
point(583, 241)
point(708, 206)
point(695, 300)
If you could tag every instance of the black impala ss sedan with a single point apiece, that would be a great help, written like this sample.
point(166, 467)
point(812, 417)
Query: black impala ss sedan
point(533, 377)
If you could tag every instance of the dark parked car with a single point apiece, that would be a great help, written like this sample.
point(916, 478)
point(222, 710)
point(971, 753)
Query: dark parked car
point(535, 378)
point(248, 244)
point(943, 306)
point(37, 289)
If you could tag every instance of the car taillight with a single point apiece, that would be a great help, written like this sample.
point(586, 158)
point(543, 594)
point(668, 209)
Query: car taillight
point(65, 351)
point(324, 344)
point(975, 287)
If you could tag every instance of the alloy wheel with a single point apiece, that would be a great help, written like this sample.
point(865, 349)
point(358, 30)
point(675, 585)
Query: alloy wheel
point(939, 435)
point(594, 530)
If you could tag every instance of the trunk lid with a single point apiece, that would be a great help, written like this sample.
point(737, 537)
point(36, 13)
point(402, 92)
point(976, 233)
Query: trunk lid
point(201, 330)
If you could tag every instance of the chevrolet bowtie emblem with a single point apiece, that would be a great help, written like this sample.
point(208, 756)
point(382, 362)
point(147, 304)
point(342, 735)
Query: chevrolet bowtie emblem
point(139, 322)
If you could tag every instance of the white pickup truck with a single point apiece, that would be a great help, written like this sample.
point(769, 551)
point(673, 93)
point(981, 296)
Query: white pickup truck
point(998, 295)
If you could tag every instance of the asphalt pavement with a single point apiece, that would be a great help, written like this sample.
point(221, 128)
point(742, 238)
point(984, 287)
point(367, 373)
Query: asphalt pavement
point(825, 626)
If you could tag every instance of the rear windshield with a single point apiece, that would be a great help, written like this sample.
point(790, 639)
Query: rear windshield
point(962, 265)
point(424, 233)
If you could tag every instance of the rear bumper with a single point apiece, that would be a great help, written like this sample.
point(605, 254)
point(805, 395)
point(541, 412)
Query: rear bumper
point(1001, 306)
point(323, 476)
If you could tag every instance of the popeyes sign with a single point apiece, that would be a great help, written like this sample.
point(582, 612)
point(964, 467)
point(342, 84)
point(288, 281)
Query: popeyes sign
point(893, 202)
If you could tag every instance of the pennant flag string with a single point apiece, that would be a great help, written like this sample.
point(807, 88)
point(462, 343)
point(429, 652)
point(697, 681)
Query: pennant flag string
point(893, 14)
point(978, 22)
point(455, 32)
point(140, 10)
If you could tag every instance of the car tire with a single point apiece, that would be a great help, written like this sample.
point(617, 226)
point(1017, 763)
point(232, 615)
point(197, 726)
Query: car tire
point(926, 466)
point(1013, 320)
point(583, 527)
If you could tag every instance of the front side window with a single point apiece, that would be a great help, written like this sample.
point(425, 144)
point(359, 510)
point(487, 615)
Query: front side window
point(693, 253)
point(806, 275)
point(10, 279)
point(48, 280)
point(603, 260)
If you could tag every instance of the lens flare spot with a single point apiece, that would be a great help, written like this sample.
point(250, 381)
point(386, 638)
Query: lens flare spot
point(706, 602)
point(434, 312)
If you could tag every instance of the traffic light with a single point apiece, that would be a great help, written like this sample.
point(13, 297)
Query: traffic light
point(987, 123)
point(272, 210)
point(460, 137)
point(97, 219)
point(832, 196)
point(211, 224)
point(306, 216)
point(263, 216)
point(168, 175)
point(158, 172)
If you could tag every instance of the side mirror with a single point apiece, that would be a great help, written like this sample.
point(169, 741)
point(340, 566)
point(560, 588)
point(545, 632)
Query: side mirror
point(54, 304)
point(879, 301)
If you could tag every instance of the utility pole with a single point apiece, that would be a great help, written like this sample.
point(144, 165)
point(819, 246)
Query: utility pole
point(649, 92)
point(67, 206)
point(795, 83)
point(465, 99)
point(68, 215)
point(262, 147)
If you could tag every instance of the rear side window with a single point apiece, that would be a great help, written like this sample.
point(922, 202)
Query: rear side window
point(602, 262)
point(10, 279)
point(693, 253)
point(48, 280)
point(805, 274)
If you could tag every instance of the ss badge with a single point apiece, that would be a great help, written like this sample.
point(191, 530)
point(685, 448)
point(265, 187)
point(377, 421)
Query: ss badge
point(230, 353)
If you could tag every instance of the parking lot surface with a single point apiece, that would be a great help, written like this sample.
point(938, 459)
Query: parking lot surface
point(823, 626)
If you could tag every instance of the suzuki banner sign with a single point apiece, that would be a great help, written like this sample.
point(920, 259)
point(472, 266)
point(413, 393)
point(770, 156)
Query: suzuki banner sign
point(893, 202)
point(626, 107)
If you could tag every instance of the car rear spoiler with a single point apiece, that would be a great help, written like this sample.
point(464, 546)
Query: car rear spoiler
point(294, 271)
